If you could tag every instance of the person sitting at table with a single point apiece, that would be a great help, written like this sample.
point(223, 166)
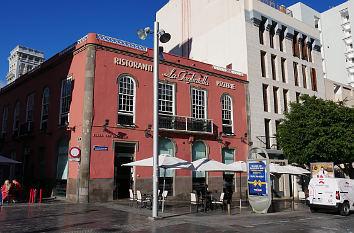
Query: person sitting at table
point(206, 196)
point(5, 189)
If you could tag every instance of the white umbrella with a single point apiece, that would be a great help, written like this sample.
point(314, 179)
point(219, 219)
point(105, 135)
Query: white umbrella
point(5, 160)
point(239, 167)
point(210, 165)
point(165, 161)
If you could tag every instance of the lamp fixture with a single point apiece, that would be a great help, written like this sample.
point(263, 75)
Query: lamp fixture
point(106, 122)
point(243, 139)
point(148, 131)
point(219, 139)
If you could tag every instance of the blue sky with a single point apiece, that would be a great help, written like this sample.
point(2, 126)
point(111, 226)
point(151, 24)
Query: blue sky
point(51, 26)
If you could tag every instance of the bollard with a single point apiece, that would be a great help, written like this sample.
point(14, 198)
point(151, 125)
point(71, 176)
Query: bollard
point(228, 209)
point(34, 195)
point(30, 196)
point(40, 196)
point(0, 198)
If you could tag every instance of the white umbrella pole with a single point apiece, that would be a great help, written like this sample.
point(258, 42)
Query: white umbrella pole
point(163, 189)
point(240, 192)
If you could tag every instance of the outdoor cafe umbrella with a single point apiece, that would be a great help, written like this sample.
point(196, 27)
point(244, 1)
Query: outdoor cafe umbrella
point(5, 160)
point(239, 167)
point(165, 161)
point(210, 165)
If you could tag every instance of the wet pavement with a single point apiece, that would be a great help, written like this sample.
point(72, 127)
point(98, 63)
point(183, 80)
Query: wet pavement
point(62, 216)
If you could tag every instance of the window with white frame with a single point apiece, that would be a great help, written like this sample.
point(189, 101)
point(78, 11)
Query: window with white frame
point(166, 98)
point(65, 100)
point(16, 122)
point(30, 108)
point(227, 123)
point(44, 111)
point(199, 104)
point(126, 100)
point(5, 115)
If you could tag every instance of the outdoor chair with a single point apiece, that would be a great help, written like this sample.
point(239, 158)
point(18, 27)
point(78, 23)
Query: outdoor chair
point(132, 197)
point(163, 199)
point(140, 201)
point(220, 201)
point(194, 201)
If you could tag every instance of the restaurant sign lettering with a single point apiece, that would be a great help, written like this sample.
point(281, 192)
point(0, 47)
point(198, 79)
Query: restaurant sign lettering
point(187, 77)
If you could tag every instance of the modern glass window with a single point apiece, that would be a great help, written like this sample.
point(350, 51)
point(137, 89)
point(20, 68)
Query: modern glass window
point(45, 108)
point(263, 63)
point(5, 116)
point(275, 98)
point(65, 100)
point(274, 72)
point(304, 48)
point(166, 98)
point(281, 40)
point(265, 97)
point(126, 100)
point(261, 33)
point(16, 123)
point(199, 104)
point(296, 74)
point(271, 36)
point(166, 146)
point(198, 152)
point(295, 44)
point(285, 99)
point(228, 177)
point(304, 76)
point(313, 79)
point(267, 133)
point(62, 167)
point(227, 123)
point(30, 108)
point(283, 71)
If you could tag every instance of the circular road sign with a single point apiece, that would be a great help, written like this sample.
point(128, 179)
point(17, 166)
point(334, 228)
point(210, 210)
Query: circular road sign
point(75, 152)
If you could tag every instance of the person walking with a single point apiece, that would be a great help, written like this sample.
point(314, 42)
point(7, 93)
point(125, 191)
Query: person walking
point(5, 189)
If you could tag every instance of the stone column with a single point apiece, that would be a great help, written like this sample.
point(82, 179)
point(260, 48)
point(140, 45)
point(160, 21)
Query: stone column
point(87, 123)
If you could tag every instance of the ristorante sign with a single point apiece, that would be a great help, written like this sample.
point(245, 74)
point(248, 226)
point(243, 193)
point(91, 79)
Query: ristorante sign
point(187, 77)
point(132, 64)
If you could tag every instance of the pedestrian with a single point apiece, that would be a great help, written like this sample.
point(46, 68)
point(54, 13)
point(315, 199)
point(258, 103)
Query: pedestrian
point(17, 189)
point(5, 190)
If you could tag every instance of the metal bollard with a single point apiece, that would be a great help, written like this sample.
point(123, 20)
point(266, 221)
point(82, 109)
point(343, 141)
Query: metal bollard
point(228, 209)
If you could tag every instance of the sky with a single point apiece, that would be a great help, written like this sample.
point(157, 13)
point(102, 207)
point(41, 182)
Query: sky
point(51, 26)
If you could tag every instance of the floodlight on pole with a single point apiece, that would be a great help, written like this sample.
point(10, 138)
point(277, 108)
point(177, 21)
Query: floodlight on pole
point(159, 35)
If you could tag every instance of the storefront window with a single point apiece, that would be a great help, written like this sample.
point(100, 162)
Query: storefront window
point(126, 100)
point(62, 167)
point(166, 147)
point(228, 177)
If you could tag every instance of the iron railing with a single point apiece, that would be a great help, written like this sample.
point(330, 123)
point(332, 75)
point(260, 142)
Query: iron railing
point(266, 142)
point(185, 124)
point(121, 42)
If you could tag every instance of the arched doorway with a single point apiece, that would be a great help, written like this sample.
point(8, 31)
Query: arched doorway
point(198, 152)
point(166, 146)
point(62, 167)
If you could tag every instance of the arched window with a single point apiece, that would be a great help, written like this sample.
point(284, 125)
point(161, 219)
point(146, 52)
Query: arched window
point(16, 123)
point(227, 123)
point(166, 146)
point(44, 113)
point(126, 100)
point(198, 152)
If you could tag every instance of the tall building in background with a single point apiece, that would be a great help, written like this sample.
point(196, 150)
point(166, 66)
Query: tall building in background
point(335, 27)
point(22, 60)
point(280, 54)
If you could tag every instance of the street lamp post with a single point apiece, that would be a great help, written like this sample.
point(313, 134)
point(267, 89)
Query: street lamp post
point(164, 37)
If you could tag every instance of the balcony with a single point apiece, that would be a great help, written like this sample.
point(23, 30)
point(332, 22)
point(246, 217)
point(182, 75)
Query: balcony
point(185, 124)
point(346, 26)
point(350, 54)
point(348, 40)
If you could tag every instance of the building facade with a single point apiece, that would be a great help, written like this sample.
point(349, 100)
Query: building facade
point(280, 54)
point(335, 27)
point(23, 60)
point(99, 99)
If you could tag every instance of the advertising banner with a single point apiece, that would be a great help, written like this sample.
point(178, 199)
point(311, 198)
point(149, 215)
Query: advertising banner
point(257, 177)
point(322, 170)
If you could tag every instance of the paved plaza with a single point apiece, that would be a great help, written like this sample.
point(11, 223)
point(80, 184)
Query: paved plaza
point(62, 216)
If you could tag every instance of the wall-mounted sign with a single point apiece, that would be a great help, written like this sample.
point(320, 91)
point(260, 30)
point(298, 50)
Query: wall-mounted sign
point(74, 152)
point(225, 85)
point(100, 148)
point(187, 77)
point(257, 177)
point(133, 64)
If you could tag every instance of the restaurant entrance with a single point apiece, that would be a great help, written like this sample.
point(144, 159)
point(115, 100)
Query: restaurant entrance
point(123, 176)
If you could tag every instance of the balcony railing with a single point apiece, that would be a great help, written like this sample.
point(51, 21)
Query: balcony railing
point(266, 142)
point(185, 124)
point(277, 6)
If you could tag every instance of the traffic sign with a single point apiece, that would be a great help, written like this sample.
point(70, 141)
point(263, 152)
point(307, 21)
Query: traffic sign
point(75, 152)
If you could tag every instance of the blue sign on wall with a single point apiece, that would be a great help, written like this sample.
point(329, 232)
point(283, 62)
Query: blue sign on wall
point(100, 148)
point(257, 177)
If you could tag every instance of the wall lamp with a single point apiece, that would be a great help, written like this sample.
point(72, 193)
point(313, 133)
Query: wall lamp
point(72, 128)
point(106, 122)
point(244, 138)
point(219, 139)
point(148, 131)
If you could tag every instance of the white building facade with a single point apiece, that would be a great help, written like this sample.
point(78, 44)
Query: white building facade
point(280, 54)
point(22, 60)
